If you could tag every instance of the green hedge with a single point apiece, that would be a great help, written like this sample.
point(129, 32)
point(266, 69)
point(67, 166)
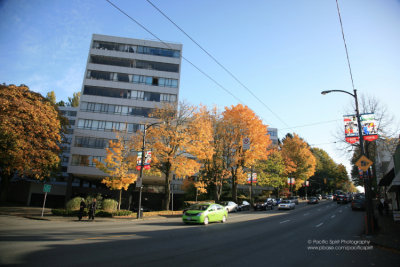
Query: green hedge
point(74, 213)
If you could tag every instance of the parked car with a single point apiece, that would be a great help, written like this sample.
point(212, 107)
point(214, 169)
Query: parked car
point(230, 206)
point(205, 213)
point(244, 206)
point(318, 196)
point(264, 205)
point(312, 200)
point(329, 197)
point(278, 200)
point(287, 205)
point(324, 196)
point(358, 204)
point(295, 200)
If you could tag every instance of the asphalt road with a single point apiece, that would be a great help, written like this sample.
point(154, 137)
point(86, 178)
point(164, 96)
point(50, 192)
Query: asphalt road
point(326, 234)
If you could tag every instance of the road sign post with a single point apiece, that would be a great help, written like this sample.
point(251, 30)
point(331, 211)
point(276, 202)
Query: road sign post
point(46, 189)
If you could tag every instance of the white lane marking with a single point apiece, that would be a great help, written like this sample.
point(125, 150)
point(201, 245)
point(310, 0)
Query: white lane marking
point(318, 225)
point(340, 210)
point(333, 216)
point(305, 214)
point(318, 209)
point(285, 221)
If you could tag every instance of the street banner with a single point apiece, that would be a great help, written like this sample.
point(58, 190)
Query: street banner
point(351, 128)
point(290, 180)
point(369, 127)
point(254, 178)
point(246, 143)
point(147, 160)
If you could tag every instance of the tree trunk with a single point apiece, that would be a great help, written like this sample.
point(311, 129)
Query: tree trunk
point(119, 201)
point(167, 198)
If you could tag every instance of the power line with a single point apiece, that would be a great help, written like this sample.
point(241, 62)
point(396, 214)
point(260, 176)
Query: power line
point(311, 124)
point(155, 36)
point(345, 46)
point(216, 61)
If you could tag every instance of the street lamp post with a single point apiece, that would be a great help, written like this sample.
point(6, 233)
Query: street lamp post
point(139, 213)
point(367, 182)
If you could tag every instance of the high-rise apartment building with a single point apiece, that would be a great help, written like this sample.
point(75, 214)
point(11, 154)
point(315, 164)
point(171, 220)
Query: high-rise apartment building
point(125, 79)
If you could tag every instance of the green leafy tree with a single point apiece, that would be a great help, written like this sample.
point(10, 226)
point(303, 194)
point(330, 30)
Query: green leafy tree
point(51, 96)
point(272, 172)
point(29, 135)
point(74, 100)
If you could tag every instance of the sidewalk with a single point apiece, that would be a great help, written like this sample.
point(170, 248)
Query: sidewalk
point(35, 213)
point(388, 234)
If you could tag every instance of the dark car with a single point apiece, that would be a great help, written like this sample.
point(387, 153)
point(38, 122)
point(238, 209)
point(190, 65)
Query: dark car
point(244, 206)
point(313, 200)
point(358, 204)
point(342, 199)
point(264, 205)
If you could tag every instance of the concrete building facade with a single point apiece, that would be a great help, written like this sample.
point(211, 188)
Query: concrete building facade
point(125, 79)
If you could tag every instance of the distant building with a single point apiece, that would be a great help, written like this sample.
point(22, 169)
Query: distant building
point(125, 79)
point(273, 135)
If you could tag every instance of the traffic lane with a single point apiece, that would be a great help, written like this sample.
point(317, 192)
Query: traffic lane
point(216, 242)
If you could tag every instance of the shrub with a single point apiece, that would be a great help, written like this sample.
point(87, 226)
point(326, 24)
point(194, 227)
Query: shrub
point(74, 204)
point(102, 213)
point(99, 200)
point(122, 213)
point(110, 205)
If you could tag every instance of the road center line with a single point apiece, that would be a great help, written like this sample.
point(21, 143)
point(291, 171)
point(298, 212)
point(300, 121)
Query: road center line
point(285, 221)
point(318, 225)
point(305, 214)
point(333, 216)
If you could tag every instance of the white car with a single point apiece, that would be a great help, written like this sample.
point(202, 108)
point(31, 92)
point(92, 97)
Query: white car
point(230, 206)
point(286, 205)
point(329, 197)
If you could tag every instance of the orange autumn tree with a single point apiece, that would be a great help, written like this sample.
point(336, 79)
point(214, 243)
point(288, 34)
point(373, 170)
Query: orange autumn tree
point(213, 173)
point(179, 143)
point(239, 122)
point(299, 159)
point(119, 164)
point(29, 135)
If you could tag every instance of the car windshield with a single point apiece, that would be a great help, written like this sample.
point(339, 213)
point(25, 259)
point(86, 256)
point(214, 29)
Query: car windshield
point(285, 201)
point(199, 207)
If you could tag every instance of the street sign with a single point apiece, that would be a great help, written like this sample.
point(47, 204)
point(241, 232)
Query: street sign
point(47, 188)
point(364, 163)
point(246, 143)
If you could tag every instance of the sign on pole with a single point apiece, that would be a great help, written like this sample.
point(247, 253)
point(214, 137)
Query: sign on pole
point(363, 163)
point(46, 188)
point(369, 127)
point(246, 143)
point(351, 128)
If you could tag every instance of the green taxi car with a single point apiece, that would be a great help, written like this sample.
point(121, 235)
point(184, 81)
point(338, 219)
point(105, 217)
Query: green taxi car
point(205, 213)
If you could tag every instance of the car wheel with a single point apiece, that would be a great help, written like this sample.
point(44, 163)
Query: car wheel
point(223, 219)
point(205, 221)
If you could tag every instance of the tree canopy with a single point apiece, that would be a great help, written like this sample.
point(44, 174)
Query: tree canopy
point(29, 134)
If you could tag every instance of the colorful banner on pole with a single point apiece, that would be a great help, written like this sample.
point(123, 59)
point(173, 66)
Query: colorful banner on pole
point(290, 180)
point(147, 160)
point(254, 178)
point(351, 128)
point(369, 127)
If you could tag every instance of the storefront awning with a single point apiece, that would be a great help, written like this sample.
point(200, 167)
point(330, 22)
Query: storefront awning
point(395, 185)
point(387, 178)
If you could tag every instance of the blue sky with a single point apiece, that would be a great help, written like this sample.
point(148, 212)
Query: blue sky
point(285, 52)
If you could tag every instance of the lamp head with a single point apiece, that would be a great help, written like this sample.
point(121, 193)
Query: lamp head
point(325, 92)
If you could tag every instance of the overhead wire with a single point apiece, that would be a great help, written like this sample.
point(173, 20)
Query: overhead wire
point(220, 64)
point(187, 60)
